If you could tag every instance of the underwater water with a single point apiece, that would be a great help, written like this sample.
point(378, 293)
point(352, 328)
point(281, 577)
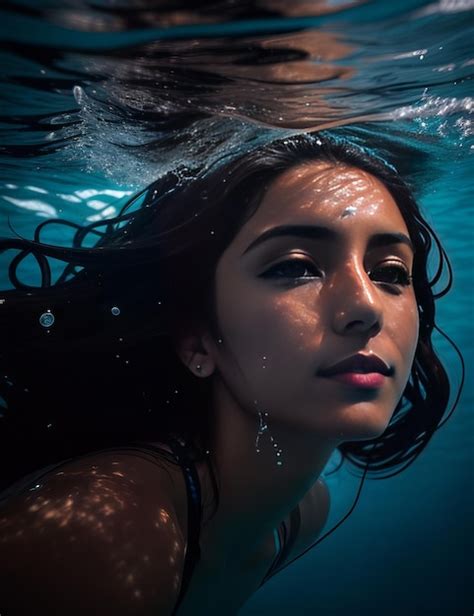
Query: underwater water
point(100, 98)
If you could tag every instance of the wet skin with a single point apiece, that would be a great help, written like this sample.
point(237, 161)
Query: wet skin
point(288, 307)
point(291, 305)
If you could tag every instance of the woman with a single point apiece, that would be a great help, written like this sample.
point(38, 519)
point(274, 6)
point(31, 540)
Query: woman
point(245, 324)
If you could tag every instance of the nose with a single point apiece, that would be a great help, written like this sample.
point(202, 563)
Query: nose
point(356, 303)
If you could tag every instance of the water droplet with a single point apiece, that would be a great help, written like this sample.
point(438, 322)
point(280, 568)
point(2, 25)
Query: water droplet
point(46, 319)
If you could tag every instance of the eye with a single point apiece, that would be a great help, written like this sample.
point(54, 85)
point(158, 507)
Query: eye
point(393, 273)
point(293, 268)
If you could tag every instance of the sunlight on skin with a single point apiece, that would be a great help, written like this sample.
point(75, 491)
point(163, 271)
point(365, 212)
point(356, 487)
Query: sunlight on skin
point(334, 189)
point(111, 514)
point(303, 320)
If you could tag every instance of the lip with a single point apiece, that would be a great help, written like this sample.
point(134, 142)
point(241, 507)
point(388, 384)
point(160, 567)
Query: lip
point(365, 371)
point(366, 380)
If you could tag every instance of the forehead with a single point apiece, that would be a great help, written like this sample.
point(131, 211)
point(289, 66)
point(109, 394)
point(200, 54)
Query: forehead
point(325, 193)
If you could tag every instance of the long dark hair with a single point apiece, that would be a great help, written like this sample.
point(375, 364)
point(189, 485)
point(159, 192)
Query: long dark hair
point(106, 373)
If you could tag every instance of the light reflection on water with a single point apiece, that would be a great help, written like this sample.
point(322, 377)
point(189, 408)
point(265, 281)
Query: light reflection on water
point(133, 110)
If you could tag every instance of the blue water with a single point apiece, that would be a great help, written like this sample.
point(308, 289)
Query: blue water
point(75, 77)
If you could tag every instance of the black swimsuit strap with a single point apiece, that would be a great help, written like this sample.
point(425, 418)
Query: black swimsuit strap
point(193, 489)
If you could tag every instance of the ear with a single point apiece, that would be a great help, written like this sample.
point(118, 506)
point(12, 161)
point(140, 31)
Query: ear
point(195, 351)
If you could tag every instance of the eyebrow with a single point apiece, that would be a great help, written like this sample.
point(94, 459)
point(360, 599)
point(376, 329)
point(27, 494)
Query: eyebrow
point(324, 233)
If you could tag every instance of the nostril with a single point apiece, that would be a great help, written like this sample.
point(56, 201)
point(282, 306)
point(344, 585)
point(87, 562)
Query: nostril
point(375, 328)
point(362, 325)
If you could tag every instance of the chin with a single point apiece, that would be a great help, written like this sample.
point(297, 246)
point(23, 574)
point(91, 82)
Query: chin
point(363, 426)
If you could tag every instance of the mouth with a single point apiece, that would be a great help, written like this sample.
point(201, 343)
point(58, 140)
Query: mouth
point(361, 371)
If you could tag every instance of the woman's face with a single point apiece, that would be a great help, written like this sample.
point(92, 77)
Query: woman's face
point(294, 303)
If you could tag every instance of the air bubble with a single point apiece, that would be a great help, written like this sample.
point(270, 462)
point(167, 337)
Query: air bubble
point(115, 311)
point(47, 319)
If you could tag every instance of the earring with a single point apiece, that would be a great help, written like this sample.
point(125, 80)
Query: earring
point(263, 427)
point(198, 368)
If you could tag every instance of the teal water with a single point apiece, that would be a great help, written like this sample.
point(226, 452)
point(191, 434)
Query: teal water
point(88, 87)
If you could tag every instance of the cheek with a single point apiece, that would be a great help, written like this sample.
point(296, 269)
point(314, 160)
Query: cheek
point(404, 328)
point(411, 323)
point(269, 333)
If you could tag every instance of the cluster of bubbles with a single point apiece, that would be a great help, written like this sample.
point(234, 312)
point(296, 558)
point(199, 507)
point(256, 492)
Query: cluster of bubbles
point(439, 109)
point(262, 428)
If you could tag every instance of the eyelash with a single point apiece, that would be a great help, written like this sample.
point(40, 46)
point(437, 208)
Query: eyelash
point(403, 277)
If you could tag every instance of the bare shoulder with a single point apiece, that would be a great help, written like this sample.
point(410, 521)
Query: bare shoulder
point(100, 531)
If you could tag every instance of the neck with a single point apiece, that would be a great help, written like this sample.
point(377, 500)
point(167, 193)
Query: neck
point(256, 494)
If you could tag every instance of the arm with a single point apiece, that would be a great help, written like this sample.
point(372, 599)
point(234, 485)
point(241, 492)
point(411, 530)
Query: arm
point(98, 538)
